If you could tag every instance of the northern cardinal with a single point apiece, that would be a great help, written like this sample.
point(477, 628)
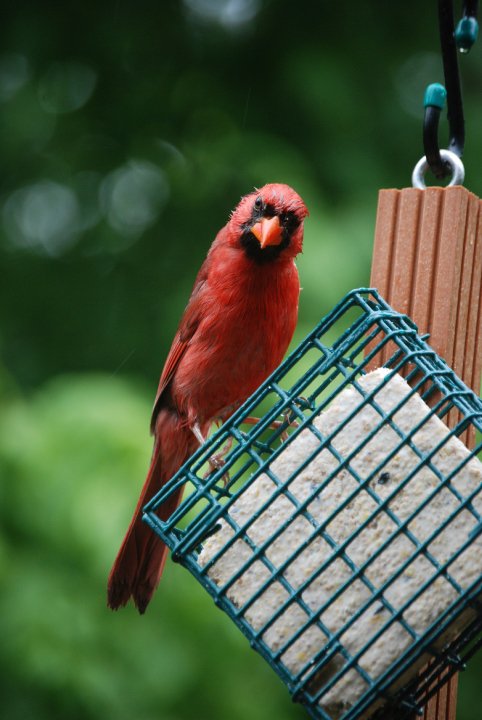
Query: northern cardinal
point(234, 332)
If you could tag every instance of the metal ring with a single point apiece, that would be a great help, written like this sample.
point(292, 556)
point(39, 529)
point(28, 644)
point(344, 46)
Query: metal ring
point(456, 166)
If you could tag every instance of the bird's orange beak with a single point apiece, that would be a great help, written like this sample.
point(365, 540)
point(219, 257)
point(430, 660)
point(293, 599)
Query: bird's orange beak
point(268, 231)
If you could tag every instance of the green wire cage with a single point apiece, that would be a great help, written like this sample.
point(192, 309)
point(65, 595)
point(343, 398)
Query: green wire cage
point(342, 532)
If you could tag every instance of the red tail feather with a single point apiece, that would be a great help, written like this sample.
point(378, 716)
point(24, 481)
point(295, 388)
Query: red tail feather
point(140, 561)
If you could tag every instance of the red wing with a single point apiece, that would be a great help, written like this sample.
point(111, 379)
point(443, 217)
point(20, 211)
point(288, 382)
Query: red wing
point(175, 354)
point(187, 328)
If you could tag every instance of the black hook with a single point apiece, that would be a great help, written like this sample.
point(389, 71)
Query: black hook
point(450, 40)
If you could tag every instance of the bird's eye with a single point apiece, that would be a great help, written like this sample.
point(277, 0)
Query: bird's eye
point(289, 221)
point(258, 203)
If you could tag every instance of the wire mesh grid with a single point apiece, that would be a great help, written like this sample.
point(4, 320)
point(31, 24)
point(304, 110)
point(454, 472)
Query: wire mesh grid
point(342, 531)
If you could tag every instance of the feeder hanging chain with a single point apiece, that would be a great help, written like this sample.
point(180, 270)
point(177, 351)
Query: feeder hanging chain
point(461, 38)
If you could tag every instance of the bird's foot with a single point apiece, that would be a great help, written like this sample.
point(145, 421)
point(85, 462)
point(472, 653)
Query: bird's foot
point(285, 423)
point(217, 461)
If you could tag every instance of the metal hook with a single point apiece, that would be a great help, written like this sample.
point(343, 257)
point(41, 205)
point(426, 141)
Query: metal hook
point(462, 38)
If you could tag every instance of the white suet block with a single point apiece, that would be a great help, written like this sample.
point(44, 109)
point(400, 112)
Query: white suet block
point(381, 528)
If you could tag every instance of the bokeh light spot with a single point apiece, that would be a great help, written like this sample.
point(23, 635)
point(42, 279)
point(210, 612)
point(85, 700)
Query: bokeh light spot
point(44, 216)
point(133, 196)
point(66, 87)
point(229, 13)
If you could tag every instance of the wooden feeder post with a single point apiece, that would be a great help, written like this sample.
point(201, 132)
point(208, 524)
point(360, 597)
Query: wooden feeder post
point(427, 263)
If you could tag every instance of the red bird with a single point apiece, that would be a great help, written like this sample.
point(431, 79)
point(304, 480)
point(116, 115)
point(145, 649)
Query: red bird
point(234, 332)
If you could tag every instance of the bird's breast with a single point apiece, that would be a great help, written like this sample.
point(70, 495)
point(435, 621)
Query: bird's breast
point(247, 324)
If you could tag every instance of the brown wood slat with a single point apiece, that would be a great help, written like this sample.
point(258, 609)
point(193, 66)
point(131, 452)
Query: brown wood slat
point(422, 293)
point(427, 263)
point(465, 357)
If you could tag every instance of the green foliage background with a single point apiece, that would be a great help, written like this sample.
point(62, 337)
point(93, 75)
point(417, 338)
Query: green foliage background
point(128, 131)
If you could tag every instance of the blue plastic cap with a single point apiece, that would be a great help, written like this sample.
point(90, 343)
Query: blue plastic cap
point(435, 95)
point(466, 33)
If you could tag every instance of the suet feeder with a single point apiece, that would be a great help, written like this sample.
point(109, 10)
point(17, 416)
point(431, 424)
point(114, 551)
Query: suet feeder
point(350, 552)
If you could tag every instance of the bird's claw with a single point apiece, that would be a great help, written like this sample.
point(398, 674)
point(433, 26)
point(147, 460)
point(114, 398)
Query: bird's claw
point(285, 423)
point(217, 461)
point(288, 420)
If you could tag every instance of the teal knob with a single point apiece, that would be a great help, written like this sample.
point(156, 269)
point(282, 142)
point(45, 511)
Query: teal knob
point(435, 95)
point(466, 33)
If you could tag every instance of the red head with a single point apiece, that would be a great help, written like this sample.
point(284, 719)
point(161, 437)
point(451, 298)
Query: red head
point(268, 223)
